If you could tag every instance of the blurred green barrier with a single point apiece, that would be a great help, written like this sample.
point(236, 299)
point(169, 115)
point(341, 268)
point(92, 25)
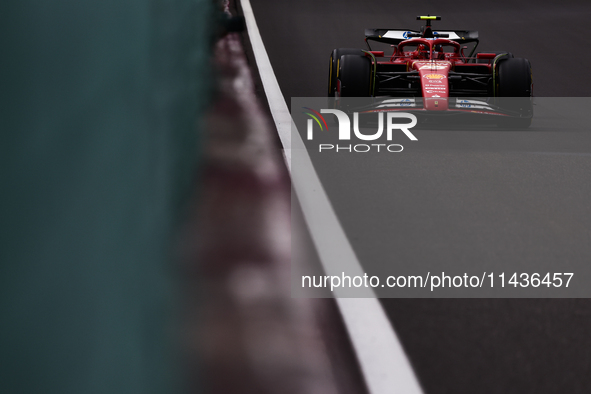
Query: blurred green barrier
point(98, 144)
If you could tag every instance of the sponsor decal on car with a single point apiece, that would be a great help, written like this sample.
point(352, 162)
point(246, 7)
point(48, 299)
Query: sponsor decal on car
point(434, 76)
point(398, 34)
point(406, 102)
point(432, 65)
point(472, 104)
point(464, 104)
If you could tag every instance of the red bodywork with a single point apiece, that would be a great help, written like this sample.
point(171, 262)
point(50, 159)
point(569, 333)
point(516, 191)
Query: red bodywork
point(433, 59)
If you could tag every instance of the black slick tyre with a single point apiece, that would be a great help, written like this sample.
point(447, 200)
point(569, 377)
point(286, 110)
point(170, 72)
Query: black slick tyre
point(334, 65)
point(514, 91)
point(354, 76)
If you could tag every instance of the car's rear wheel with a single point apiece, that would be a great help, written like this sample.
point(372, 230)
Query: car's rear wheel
point(354, 76)
point(514, 90)
point(335, 57)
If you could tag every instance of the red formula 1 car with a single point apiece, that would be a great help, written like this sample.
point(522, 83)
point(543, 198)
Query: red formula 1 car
point(429, 71)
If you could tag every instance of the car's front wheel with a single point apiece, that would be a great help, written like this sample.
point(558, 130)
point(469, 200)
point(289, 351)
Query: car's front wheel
point(514, 91)
point(354, 78)
point(334, 66)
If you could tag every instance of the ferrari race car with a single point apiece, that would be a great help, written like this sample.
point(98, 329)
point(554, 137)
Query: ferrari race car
point(430, 72)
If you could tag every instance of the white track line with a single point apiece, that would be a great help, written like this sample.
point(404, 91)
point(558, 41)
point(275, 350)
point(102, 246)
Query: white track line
point(384, 364)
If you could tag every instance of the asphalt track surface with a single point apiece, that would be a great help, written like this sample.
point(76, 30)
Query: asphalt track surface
point(494, 194)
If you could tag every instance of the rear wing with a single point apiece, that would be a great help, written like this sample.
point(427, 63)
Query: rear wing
point(395, 37)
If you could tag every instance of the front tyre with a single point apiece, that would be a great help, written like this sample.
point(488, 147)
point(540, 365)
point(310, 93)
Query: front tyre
point(334, 66)
point(354, 76)
point(514, 78)
point(514, 90)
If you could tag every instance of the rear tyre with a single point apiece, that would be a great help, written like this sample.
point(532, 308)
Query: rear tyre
point(335, 57)
point(515, 90)
point(354, 76)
